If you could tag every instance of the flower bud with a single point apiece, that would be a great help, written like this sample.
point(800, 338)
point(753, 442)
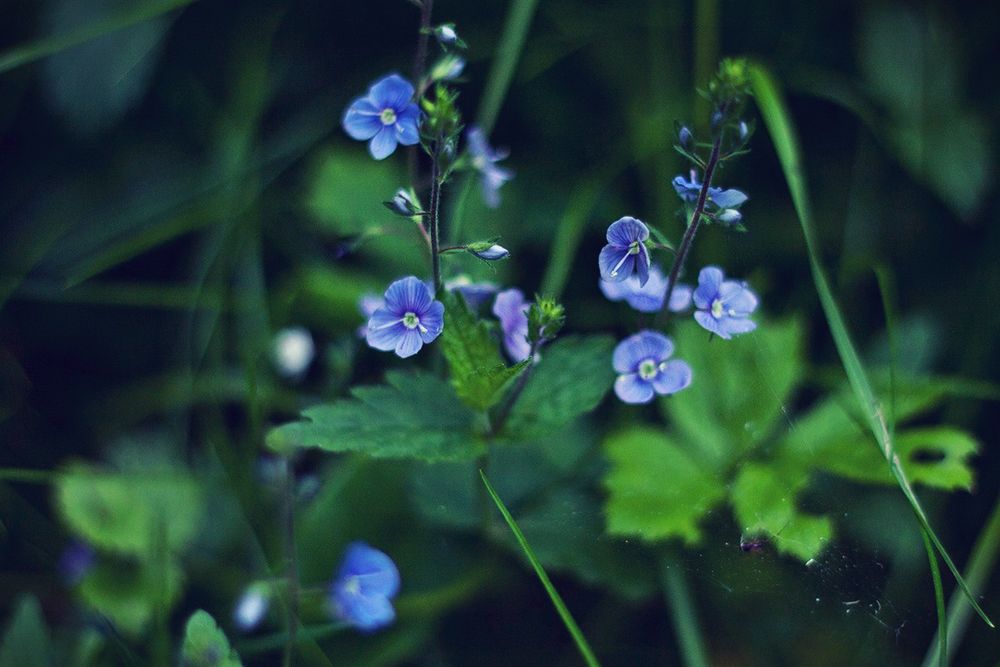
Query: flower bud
point(402, 204)
point(448, 68)
point(685, 138)
point(729, 216)
point(487, 250)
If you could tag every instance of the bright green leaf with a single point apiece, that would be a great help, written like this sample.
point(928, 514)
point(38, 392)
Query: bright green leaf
point(570, 380)
point(413, 416)
point(478, 373)
point(655, 489)
point(763, 498)
point(26, 641)
point(740, 386)
point(205, 645)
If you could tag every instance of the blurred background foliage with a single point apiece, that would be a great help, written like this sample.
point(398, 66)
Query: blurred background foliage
point(175, 187)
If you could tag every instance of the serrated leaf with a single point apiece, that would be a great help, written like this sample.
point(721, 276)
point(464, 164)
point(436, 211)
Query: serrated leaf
point(571, 379)
point(413, 416)
point(655, 489)
point(742, 383)
point(129, 592)
point(126, 513)
point(763, 498)
point(478, 373)
point(205, 645)
point(26, 640)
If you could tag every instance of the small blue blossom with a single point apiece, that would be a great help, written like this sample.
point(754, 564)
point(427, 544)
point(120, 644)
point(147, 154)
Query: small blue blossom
point(409, 318)
point(475, 294)
point(642, 363)
point(648, 298)
point(364, 588)
point(626, 251)
point(387, 115)
point(484, 160)
point(76, 561)
point(724, 306)
point(445, 34)
point(252, 606)
point(511, 309)
point(718, 198)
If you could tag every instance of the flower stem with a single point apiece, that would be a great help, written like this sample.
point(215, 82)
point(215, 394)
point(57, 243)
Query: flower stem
point(291, 563)
point(435, 216)
point(419, 63)
point(688, 239)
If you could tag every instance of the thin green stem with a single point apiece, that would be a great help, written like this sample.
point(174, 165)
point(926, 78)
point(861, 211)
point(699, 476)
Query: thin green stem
point(574, 630)
point(419, 63)
point(688, 239)
point(682, 613)
point(291, 564)
point(942, 614)
point(28, 476)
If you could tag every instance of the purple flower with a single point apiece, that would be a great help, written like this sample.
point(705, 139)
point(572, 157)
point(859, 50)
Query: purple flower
point(641, 361)
point(409, 318)
point(724, 306)
point(484, 160)
point(475, 294)
point(626, 251)
point(387, 115)
point(76, 561)
point(363, 590)
point(648, 298)
point(512, 310)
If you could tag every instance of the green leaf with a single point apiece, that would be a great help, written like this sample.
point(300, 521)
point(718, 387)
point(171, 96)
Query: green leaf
point(128, 593)
point(763, 498)
point(125, 513)
point(655, 489)
point(571, 379)
point(413, 416)
point(478, 373)
point(205, 645)
point(742, 383)
point(26, 642)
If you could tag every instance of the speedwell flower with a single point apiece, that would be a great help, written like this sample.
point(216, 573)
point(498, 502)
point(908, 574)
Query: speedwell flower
point(363, 590)
point(648, 298)
point(512, 311)
point(626, 251)
point(475, 294)
point(484, 160)
point(409, 318)
point(387, 115)
point(642, 363)
point(724, 306)
point(718, 198)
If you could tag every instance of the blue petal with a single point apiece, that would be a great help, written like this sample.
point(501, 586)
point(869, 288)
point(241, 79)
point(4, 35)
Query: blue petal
point(384, 143)
point(710, 323)
point(384, 330)
point(515, 343)
point(709, 280)
point(361, 120)
point(631, 388)
point(409, 343)
point(407, 125)
point(433, 321)
point(671, 379)
point(737, 297)
point(728, 198)
point(476, 141)
point(365, 613)
point(624, 231)
point(510, 308)
point(608, 260)
point(408, 295)
point(392, 92)
point(378, 571)
point(680, 298)
point(639, 347)
point(642, 262)
point(734, 326)
point(686, 190)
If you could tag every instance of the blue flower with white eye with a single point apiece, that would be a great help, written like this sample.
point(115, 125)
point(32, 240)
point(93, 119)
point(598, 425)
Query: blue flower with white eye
point(484, 160)
point(648, 298)
point(645, 369)
point(511, 309)
point(626, 251)
point(387, 116)
point(363, 590)
point(475, 294)
point(409, 318)
point(724, 306)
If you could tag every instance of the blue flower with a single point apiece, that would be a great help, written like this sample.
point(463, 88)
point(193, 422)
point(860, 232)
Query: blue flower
point(363, 590)
point(484, 160)
point(252, 606)
point(512, 311)
point(387, 115)
point(724, 306)
point(642, 363)
point(687, 190)
point(648, 298)
point(475, 294)
point(718, 198)
point(76, 561)
point(626, 251)
point(409, 318)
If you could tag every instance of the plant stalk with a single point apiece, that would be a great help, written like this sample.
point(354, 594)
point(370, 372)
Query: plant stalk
point(435, 217)
point(291, 564)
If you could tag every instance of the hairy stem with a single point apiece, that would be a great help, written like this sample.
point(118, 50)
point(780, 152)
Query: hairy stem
point(435, 217)
point(688, 239)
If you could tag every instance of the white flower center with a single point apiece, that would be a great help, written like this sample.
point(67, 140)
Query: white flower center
point(352, 586)
point(633, 248)
point(388, 117)
point(717, 308)
point(648, 369)
point(411, 321)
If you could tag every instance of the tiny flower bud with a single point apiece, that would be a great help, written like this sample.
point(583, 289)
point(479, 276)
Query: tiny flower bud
point(729, 216)
point(402, 204)
point(252, 606)
point(446, 34)
point(716, 119)
point(744, 130)
point(448, 68)
point(545, 319)
point(685, 138)
point(488, 251)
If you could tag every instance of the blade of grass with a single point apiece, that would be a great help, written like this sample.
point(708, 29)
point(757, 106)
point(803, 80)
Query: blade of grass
point(942, 615)
point(682, 612)
point(40, 48)
point(775, 116)
point(567, 618)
